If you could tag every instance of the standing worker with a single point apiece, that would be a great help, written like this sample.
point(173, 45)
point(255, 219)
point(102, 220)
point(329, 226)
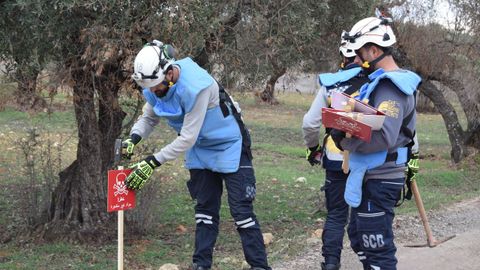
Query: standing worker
point(216, 142)
point(379, 166)
point(348, 79)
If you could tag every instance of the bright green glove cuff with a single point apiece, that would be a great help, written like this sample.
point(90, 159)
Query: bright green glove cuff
point(142, 171)
point(412, 167)
point(413, 164)
point(127, 148)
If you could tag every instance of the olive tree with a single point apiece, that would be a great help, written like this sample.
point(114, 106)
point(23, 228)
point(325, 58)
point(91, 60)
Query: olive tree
point(446, 58)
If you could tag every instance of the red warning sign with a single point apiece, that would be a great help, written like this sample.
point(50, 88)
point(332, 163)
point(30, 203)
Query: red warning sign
point(119, 197)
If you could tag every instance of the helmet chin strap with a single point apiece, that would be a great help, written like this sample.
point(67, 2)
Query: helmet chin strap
point(366, 64)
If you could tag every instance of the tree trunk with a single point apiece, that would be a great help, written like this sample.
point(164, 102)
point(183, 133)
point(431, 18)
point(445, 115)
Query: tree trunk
point(424, 104)
point(26, 96)
point(78, 208)
point(458, 138)
point(454, 129)
point(468, 102)
point(268, 94)
point(471, 109)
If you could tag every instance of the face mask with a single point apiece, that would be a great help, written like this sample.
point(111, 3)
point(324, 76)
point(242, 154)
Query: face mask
point(163, 92)
point(369, 67)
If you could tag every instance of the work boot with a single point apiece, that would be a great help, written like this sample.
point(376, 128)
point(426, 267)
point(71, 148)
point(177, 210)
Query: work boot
point(198, 267)
point(330, 266)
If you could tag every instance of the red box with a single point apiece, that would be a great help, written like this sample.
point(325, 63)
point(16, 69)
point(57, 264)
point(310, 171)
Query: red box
point(332, 118)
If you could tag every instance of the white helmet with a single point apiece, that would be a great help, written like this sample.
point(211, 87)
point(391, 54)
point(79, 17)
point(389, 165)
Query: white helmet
point(371, 30)
point(151, 63)
point(345, 50)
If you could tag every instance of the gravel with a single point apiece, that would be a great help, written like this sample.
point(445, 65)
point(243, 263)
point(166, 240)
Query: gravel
point(458, 219)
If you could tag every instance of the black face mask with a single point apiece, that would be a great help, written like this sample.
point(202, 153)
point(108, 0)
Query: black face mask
point(162, 93)
point(369, 67)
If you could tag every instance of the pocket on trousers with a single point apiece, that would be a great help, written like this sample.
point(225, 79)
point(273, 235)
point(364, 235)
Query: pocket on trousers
point(372, 230)
point(392, 190)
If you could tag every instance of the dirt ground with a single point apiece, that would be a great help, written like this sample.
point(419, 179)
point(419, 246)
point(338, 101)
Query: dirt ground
point(460, 253)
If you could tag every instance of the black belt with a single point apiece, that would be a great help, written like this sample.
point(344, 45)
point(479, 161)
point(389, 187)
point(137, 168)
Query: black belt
point(391, 157)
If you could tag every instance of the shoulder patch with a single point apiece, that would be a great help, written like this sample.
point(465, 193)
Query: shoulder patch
point(390, 108)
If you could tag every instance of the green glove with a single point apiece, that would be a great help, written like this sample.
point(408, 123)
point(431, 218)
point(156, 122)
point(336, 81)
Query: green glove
point(142, 171)
point(314, 155)
point(412, 171)
point(129, 144)
point(412, 167)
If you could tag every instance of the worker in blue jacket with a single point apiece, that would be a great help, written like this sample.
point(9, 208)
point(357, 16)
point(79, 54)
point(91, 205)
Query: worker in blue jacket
point(377, 168)
point(214, 139)
point(323, 152)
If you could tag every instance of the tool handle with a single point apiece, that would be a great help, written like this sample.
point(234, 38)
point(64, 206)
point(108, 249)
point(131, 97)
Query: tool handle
point(346, 157)
point(117, 151)
point(349, 107)
point(423, 214)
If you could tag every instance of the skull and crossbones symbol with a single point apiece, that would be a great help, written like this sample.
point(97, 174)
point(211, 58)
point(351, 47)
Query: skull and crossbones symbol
point(119, 185)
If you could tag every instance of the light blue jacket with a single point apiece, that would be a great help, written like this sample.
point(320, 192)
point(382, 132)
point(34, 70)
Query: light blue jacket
point(218, 146)
point(405, 81)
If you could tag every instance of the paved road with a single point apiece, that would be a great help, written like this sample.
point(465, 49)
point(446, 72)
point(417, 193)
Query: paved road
point(459, 253)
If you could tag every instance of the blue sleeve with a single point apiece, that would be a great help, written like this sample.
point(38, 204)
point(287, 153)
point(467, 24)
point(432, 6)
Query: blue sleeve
point(394, 103)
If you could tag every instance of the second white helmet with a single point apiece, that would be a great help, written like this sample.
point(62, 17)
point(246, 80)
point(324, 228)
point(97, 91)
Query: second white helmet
point(345, 50)
point(370, 30)
point(151, 64)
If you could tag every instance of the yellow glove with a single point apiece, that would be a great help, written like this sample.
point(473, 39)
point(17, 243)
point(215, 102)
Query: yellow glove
point(129, 144)
point(412, 167)
point(142, 171)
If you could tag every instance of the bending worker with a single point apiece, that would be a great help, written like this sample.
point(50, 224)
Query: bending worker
point(216, 145)
point(377, 168)
point(348, 79)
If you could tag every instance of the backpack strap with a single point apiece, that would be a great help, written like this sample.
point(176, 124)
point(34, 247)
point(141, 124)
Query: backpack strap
point(226, 105)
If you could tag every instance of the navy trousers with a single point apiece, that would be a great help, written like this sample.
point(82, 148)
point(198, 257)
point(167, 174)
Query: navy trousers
point(337, 216)
point(206, 187)
point(370, 228)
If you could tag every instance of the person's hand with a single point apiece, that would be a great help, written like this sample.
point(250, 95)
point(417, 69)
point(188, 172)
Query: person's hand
point(337, 137)
point(314, 155)
point(129, 144)
point(412, 167)
point(142, 171)
point(412, 171)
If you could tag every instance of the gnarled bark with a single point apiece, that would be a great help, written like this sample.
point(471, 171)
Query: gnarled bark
point(26, 96)
point(268, 94)
point(454, 129)
point(78, 208)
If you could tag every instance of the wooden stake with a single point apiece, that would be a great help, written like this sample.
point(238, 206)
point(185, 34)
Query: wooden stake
point(120, 235)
